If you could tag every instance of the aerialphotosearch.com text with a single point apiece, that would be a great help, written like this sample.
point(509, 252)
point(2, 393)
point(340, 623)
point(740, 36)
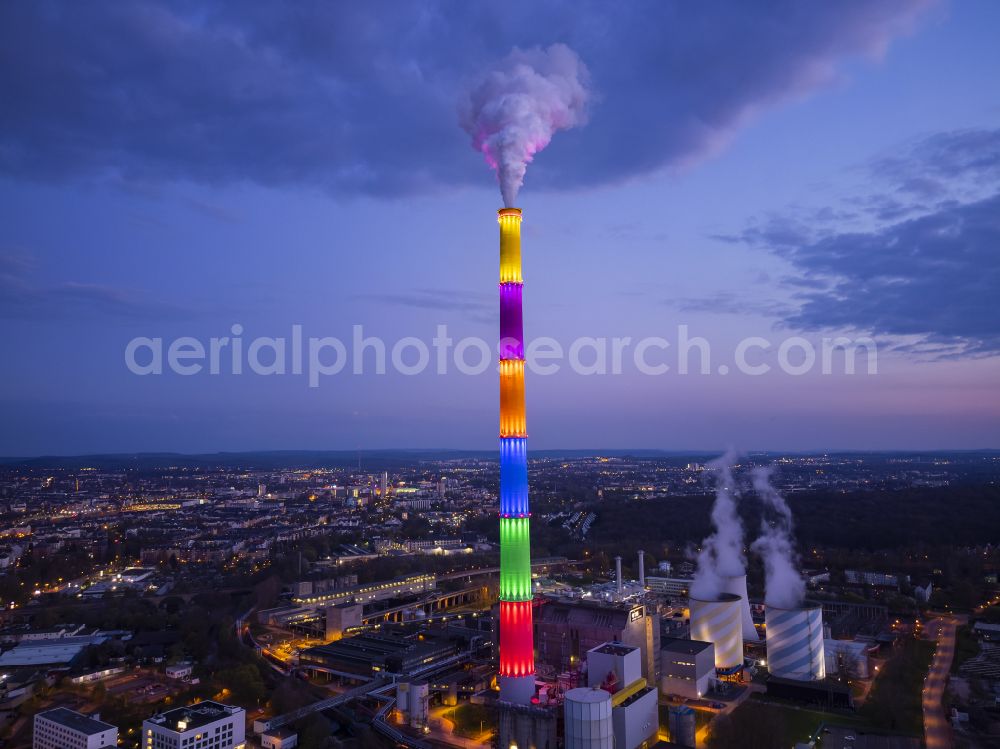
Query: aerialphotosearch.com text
point(317, 358)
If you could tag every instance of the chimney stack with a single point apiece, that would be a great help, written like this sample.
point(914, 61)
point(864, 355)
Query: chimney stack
point(618, 576)
point(642, 568)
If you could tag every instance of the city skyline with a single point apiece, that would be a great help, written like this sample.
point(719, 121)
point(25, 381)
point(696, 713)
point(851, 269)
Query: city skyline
point(253, 174)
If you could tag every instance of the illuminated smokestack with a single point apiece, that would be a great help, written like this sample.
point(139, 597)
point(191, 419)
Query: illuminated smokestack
point(517, 656)
point(642, 568)
point(618, 576)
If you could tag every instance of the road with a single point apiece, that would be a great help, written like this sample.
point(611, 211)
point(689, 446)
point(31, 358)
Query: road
point(937, 732)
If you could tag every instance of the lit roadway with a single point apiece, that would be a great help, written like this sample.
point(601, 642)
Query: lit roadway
point(937, 732)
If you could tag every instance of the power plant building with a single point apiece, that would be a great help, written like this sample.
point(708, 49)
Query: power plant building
point(687, 667)
point(615, 669)
point(566, 628)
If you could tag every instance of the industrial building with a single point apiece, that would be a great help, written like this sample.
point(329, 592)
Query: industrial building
point(848, 657)
point(566, 628)
point(202, 725)
point(342, 617)
point(279, 738)
point(368, 655)
point(64, 651)
point(687, 667)
point(61, 728)
point(615, 669)
point(669, 587)
point(417, 583)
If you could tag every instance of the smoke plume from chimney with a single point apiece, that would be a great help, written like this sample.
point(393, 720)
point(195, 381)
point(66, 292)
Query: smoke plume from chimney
point(513, 111)
point(784, 586)
point(722, 552)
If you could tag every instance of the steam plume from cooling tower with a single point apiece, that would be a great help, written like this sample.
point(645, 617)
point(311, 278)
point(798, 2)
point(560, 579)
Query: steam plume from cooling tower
point(513, 111)
point(722, 552)
point(784, 586)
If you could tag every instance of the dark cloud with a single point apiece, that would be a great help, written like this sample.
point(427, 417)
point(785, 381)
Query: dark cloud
point(361, 96)
point(918, 262)
point(933, 167)
point(934, 277)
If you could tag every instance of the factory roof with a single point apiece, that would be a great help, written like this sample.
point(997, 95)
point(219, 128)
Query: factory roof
point(77, 721)
point(636, 696)
point(679, 645)
point(279, 733)
point(45, 652)
point(614, 648)
point(183, 719)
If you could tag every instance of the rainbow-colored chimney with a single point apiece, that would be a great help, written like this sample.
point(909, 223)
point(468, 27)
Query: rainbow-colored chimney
point(517, 656)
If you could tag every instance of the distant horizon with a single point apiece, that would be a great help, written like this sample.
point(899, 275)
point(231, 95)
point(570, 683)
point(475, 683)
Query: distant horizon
point(429, 452)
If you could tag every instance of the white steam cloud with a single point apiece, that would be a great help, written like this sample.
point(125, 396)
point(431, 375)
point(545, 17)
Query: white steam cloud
point(784, 586)
point(721, 553)
point(513, 112)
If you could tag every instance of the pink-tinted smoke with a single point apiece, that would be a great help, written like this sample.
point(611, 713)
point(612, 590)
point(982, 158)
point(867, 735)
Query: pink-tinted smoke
point(512, 112)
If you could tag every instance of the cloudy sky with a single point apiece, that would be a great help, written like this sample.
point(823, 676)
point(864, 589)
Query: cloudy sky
point(776, 170)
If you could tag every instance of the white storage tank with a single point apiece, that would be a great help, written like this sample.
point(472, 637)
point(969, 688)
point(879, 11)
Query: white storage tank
point(588, 719)
point(720, 622)
point(419, 700)
point(795, 643)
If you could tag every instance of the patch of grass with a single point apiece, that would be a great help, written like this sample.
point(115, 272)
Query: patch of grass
point(966, 647)
point(800, 723)
point(471, 720)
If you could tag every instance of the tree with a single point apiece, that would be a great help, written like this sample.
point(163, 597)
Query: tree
point(314, 731)
point(748, 727)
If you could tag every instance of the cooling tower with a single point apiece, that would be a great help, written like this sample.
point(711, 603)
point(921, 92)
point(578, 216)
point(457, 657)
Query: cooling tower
point(719, 621)
point(588, 719)
point(737, 585)
point(795, 643)
point(517, 658)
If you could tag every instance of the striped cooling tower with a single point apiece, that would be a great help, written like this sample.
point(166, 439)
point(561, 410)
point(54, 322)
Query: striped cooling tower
point(720, 622)
point(737, 585)
point(795, 643)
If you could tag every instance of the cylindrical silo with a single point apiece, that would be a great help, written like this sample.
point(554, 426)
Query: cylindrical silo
point(737, 585)
point(719, 621)
point(795, 643)
point(681, 722)
point(588, 719)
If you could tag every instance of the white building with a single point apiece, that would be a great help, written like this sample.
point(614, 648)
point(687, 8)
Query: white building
point(61, 728)
point(279, 738)
point(205, 725)
point(634, 715)
point(687, 667)
point(179, 670)
point(672, 587)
